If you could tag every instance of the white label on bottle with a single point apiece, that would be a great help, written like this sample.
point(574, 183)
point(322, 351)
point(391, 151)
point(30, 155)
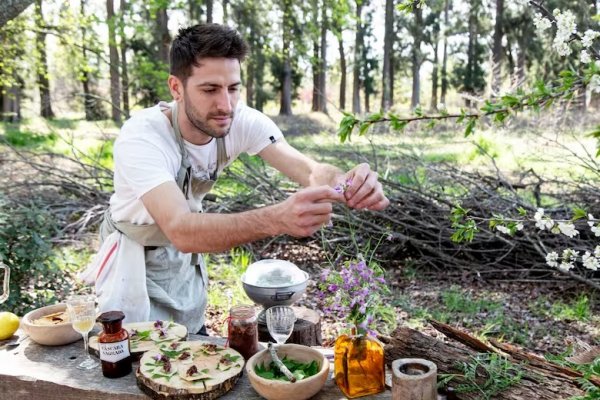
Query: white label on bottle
point(113, 352)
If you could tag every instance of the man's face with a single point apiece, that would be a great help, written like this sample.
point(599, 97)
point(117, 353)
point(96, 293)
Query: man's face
point(210, 95)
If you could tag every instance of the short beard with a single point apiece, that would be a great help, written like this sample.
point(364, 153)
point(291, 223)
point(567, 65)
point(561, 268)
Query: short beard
point(202, 125)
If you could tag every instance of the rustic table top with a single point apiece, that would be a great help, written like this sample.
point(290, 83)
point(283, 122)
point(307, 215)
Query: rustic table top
point(31, 371)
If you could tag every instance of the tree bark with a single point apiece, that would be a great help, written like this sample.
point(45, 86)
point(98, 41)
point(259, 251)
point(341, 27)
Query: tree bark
point(123, 48)
point(388, 42)
point(322, 95)
point(358, 50)
point(93, 108)
point(416, 55)
point(115, 79)
point(315, 58)
point(537, 383)
point(343, 73)
point(163, 38)
point(445, 53)
point(286, 78)
point(42, 67)
point(497, 49)
point(209, 11)
point(225, 12)
point(434, 72)
point(10, 9)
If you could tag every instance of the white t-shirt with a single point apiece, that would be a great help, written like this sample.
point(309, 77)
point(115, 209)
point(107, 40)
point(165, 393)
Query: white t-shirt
point(147, 155)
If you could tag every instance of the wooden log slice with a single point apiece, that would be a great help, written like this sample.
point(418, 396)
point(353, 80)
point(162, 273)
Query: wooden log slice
point(307, 329)
point(212, 378)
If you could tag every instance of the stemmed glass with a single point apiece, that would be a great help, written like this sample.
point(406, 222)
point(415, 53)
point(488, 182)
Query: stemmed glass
point(280, 321)
point(82, 311)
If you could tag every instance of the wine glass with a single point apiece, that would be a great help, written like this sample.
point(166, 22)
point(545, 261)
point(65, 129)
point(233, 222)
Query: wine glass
point(82, 312)
point(280, 321)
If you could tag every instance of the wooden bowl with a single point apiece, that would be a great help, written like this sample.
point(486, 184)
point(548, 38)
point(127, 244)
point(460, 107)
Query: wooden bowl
point(49, 335)
point(282, 390)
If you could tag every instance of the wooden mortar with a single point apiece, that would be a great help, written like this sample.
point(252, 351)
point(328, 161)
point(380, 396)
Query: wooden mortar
point(414, 379)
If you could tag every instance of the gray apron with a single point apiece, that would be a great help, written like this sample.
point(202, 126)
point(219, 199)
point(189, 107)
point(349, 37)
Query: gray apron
point(177, 282)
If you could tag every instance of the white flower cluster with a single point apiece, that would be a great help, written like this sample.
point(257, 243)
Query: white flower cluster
point(541, 24)
point(588, 38)
point(542, 222)
point(594, 85)
point(565, 28)
point(594, 226)
point(569, 257)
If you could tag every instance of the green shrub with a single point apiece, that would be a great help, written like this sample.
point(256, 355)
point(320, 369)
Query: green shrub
point(37, 278)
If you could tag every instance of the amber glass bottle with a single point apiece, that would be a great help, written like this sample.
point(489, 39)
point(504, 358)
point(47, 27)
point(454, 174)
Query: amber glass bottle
point(359, 365)
point(113, 343)
point(242, 332)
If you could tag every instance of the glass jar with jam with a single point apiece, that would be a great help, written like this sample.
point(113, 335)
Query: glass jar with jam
point(113, 344)
point(242, 332)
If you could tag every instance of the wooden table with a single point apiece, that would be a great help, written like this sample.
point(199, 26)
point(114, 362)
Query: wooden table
point(31, 371)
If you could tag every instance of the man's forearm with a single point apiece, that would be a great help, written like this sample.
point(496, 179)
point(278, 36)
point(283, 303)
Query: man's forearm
point(208, 232)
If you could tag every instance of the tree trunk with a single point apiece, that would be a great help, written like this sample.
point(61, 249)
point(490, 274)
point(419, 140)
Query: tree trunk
point(434, 73)
point(322, 95)
point(259, 97)
point(115, 79)
point(93, 108)
point(497, 49)
point(286, 78)
point(358, 50)
point(42, 67)
point(123, 48)
point(11, 101)
point(416, 55)
point(445, 53)
point(343, 73)
point(209, 11)
point(225, 12)
point(471, 54)
point(541, 380)
point(162, 35)
point(10, 9)
point(388, 42)
point(250, 72)
point(315, 67)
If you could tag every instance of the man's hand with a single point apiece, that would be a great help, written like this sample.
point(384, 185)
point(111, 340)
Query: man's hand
point(364, 191)
point(306, 211)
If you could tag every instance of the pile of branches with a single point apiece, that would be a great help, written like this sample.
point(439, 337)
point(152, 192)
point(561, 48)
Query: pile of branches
point(415, 229)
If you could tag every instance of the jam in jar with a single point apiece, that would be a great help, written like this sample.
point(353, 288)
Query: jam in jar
point(113, 344)
point(242, 333)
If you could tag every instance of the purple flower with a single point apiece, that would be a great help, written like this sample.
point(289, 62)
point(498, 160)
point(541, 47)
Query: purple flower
point(333, 287)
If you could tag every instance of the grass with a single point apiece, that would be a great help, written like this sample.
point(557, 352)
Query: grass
point(224, 273)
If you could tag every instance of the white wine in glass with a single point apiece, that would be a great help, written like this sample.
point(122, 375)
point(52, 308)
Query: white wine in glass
point(280, 321)
point(82, 312)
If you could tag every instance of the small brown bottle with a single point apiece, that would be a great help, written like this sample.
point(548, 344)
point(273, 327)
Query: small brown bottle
point(113, 344)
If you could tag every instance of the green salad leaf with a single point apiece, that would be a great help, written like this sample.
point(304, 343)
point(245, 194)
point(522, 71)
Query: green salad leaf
point(298, 369)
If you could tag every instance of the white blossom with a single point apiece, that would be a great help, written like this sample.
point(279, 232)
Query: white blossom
point(566, 266)
point(541, 23)
point(590, 262)
point(588, 38)
point(538, 214)
point(585, 57)
point(519, 226)
point(594, 85)
point(568, 229)
point(597, 252)
point(590, 220)
point(566, 26)
point(569, 255)
point(503, 229)
point(552, 259)
point(596, 230)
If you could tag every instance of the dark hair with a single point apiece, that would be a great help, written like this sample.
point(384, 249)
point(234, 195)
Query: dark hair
point(204, 40)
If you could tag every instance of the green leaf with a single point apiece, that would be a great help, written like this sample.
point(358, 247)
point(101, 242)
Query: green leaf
point(363, 128)
point(522, 211)
point(470, 126)
point(578, 213)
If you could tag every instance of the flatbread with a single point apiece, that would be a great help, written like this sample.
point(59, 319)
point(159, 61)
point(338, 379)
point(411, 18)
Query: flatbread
point(200, 373)
point(144, 336)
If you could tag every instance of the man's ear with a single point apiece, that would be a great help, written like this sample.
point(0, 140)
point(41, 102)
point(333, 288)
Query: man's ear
point(175, 87)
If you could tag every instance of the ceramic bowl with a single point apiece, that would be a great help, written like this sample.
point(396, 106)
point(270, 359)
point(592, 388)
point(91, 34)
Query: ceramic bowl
point(49, 335)
point(282, 390)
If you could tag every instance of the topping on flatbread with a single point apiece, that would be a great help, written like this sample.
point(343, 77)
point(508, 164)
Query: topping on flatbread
point(210, 349)
point(52, 319)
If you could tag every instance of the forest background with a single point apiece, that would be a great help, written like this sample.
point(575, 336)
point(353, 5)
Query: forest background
point(472, 119)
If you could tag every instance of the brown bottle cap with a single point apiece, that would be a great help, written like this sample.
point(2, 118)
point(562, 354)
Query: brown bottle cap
point(110, 316)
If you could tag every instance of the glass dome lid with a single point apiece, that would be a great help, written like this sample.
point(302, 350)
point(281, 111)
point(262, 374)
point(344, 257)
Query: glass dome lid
point(272, 273)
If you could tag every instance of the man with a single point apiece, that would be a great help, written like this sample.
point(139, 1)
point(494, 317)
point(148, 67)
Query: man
point(168, 156)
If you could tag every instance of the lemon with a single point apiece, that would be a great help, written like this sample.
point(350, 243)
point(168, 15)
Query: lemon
point(9, 323)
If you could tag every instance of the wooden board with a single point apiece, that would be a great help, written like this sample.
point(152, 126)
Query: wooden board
point(214, 376)
point(144, 336)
